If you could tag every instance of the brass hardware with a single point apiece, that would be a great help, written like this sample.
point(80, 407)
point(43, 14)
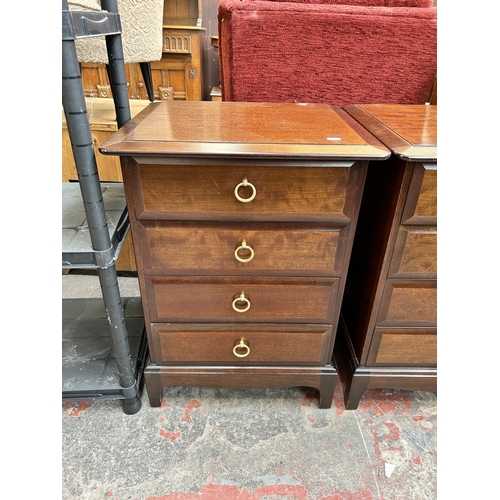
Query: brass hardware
point(104, 90)
point(245, 183)
point(244, 246)
point(241, 298)
point(241, 345)
point(166, 93)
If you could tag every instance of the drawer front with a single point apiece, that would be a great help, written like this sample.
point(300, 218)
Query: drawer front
point(242, 248)
point(206, 192)
point(421, 202)
point(403, 347)
point(241, 300)
point(415, 253)
point(408, 303)
point(243, 344)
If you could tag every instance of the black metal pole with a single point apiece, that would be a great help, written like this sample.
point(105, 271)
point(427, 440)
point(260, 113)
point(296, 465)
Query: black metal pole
point(73, 99)
point(148, 79)
point(116, 63)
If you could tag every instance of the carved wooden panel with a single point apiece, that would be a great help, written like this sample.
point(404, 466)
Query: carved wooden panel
point(176, 44)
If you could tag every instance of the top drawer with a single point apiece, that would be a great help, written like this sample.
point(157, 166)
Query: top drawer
point(246, 192)
point(421, 202)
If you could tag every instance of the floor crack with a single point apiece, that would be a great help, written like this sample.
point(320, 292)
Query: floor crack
point(368, 455)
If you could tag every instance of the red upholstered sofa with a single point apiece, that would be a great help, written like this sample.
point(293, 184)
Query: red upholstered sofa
point(334, 51)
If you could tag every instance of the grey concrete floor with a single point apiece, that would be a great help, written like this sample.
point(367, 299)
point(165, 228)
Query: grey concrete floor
point(276, 444)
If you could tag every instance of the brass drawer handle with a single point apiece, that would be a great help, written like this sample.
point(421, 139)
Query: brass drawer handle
point(241, 298)
point(238, 347)
point(245, 183)
point(244, 247)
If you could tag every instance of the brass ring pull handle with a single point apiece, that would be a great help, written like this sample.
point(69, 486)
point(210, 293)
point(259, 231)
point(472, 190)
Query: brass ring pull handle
point(241, 346)
point(244, 247)
point(241, 298)
point(245, 183)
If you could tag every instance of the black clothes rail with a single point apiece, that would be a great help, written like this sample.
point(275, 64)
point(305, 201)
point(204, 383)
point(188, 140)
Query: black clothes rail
point(80, 24)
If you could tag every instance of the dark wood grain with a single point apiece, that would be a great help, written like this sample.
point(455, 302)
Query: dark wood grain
point(421, 201)
point(268, 344)
point(181, 164)
point(198, 191)
point(403, 378)
point(415, 253)
point(248, 377)
point(211, 248)
point(241, 129)
point(389, 313)
point(410, 302)
point(358, 378)
point(404, 347)
point(283, 300)
point(373, 237)
point(408, 130)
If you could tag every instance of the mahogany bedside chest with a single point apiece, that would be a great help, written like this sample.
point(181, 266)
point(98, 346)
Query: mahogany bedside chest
point(242, 218)
point(388, 328)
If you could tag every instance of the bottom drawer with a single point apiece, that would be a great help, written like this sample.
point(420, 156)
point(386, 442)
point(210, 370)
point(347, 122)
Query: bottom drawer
point(308, 345)
point(403, 347)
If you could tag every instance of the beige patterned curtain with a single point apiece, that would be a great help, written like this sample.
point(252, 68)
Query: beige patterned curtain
point(141, 31)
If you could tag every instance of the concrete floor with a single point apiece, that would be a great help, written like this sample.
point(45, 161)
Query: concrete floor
point(210, 444)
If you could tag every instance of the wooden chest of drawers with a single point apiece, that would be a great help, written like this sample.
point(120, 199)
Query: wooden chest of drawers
point(242, 217)
point(389, 315)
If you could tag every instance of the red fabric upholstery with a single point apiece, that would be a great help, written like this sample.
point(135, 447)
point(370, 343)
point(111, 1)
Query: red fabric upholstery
point(368, 3)
point(338, 54)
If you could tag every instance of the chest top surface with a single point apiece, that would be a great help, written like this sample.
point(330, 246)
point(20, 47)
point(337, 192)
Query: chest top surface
point(410, 131)
point(237, 129)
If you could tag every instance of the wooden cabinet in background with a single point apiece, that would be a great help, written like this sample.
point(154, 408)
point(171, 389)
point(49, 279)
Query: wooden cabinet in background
point(178, 75)
point(388, 328)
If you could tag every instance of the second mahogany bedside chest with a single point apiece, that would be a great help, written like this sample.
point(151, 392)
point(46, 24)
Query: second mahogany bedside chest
point(242, 217)
point(388, 327)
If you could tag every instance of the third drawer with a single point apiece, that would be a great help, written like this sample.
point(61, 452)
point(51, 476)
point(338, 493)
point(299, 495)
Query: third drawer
point(284, 300)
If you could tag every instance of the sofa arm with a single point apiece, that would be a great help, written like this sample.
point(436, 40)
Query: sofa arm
point(337, 54)
point(367, 3)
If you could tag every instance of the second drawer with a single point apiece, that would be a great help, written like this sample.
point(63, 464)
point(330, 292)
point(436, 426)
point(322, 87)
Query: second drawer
point(242, 248)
